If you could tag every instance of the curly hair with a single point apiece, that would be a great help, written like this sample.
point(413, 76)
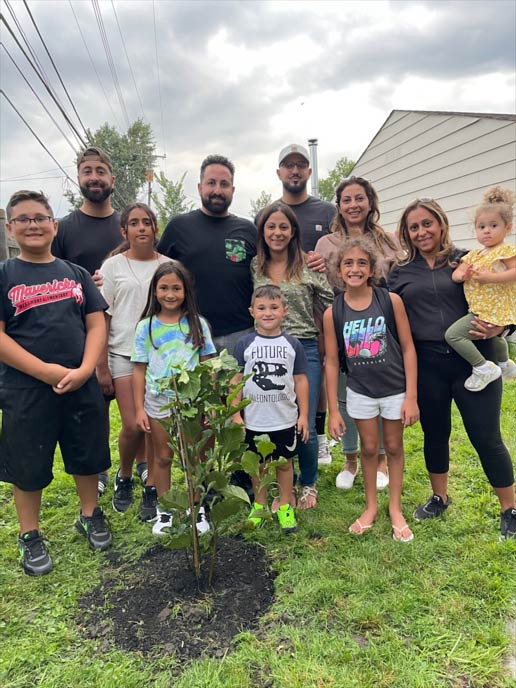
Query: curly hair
point(500, 200)
point(366, 246)
point(372, 228)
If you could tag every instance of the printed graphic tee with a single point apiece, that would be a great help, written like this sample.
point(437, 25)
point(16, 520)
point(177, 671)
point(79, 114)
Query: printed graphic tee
point(272, 363)
point(44, 306)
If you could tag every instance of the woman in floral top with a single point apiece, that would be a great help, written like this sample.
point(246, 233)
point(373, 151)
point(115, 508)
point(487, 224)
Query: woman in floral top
point(280, 261)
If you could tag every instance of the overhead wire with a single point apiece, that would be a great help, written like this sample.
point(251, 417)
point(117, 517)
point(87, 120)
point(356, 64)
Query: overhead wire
point(159, 83)
point(72, 146)
point(2, 92)
point(128, 61)
point(111, 64)
point(53, 64)
point(108, 101)
point(77, 133)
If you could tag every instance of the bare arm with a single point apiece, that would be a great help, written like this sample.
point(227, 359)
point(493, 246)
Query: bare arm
point(93, 346)
point(142, 420)
point(336, 425)
point(237, 417)
point(462, 273)
point(301, 389)
point(409, 409)
point(103, 372)
point(489, 277)
point(15, 356)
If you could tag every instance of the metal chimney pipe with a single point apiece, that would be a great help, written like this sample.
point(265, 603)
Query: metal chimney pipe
point(312, 147)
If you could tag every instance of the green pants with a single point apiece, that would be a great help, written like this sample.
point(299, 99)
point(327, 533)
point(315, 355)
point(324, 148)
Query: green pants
point(458, 337)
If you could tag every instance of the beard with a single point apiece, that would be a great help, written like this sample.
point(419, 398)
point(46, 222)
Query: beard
point(295, 187)
point(97, 195)
point(216, 204)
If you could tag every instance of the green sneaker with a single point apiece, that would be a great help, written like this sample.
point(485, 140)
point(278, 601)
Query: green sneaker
point(287, 519)
point(252, 518)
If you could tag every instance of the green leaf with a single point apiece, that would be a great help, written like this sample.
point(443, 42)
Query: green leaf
point(251, 463)
point(264, 445)
point(231, 437)
point(217, 480)
point(180, 541)
point(174, 500)
point(236, 492)
point(223, 510)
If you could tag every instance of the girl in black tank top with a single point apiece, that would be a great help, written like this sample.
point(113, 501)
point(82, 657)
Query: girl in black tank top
point(382, 376)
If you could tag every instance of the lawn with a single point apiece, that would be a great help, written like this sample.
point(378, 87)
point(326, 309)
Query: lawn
point(349, 612)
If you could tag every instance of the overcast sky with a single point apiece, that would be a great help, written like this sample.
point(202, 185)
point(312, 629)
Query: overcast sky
point(244, 78)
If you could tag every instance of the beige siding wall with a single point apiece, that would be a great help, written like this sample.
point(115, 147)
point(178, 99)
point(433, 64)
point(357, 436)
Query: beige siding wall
point(451, 157)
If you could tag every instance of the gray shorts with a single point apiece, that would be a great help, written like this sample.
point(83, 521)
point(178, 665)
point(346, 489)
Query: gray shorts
point(120, 366)
point(153, 405)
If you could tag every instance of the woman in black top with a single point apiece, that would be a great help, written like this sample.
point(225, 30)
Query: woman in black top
point(433, 301)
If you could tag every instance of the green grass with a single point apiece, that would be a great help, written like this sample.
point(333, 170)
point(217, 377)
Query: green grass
point(349, 612)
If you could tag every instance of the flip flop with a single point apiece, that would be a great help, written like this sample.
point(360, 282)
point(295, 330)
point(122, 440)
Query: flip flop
point(362, 527)
point(397, 534)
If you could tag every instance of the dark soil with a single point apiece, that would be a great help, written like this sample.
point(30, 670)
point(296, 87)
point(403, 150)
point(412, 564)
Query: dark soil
point(156, 605)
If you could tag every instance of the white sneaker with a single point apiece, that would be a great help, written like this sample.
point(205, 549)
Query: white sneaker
point(478, 380)
point(345, 480)
point(202, 525)
point(382, 480)
point(323, 456)
point(509, 370)
point(164, 521)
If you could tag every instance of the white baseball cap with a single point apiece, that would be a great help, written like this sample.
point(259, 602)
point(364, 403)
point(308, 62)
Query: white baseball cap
point(293, 148)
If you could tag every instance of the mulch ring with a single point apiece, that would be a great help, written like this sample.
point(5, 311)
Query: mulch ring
point(156, 605)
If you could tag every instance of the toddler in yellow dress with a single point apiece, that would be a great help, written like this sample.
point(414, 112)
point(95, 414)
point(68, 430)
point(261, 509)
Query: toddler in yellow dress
point(489, 276)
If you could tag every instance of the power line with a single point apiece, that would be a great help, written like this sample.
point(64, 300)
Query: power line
point(128, 61)
point(54, 97)
point(111, 64)
point(159, 81)
point(39, 99)
point(29, 174)
point(53, 65)
point(93, 65)
point(2, 92)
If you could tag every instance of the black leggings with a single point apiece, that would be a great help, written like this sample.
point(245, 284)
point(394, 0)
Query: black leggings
point(440, 380)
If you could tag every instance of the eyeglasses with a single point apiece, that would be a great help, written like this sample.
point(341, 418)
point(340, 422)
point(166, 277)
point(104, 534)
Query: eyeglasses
point(291, 165)
point(24, 222)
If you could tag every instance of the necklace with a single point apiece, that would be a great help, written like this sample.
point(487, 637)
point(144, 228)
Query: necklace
point(143, 284)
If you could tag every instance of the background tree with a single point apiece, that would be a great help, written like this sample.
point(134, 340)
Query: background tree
point(132, 154)
point(170, 200)
point(263, 200)
point(327, 185)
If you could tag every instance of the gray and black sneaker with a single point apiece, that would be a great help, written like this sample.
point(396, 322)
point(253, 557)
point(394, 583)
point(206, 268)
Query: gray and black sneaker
point(142, 471)
point(95, 529)
point(432, 508)
point(148, 505)
point(35, 558)
point(102, 484)
point(123, 494)
point(508, 524)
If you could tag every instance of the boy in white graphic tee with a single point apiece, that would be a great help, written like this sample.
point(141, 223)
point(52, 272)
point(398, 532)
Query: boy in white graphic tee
point(278, 388)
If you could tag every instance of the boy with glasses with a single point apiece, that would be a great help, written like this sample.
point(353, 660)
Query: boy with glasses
point(51, 334)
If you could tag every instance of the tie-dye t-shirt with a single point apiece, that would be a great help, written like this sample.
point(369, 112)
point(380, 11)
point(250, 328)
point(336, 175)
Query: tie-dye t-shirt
point(172, 353)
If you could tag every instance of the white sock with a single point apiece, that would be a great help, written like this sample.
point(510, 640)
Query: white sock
point(484, 367)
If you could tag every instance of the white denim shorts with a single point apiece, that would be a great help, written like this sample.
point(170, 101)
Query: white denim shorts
point(153, 404)
point(361, 407)
point(120, 366)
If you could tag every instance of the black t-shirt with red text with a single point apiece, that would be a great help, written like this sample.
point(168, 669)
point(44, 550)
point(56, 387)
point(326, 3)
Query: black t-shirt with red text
point(44, 307)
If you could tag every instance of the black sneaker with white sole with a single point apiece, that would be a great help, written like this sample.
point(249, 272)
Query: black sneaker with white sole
point(95, 529)
point(149, 504)
point(35, 558)
point(432, 508)
point(123, 494)
point(508, 524)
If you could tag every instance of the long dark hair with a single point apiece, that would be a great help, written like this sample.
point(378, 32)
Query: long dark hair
point(189, 308)
point(372, 229)
point(124, 223)
point(295, 260)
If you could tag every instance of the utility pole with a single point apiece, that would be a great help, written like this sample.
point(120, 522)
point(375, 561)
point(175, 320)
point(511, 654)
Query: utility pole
point(4, 253)
point(150, 179)
point(312, 147)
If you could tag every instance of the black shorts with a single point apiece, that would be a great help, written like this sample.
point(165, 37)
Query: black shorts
point(35, 419)
point(285, 441)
